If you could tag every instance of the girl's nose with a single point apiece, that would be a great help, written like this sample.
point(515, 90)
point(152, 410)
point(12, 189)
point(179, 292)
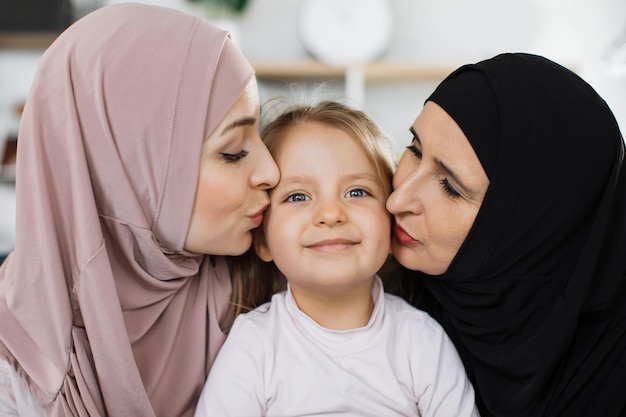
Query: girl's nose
point(330, 213)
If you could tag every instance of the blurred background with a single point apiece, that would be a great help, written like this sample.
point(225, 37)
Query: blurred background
point(385, 56)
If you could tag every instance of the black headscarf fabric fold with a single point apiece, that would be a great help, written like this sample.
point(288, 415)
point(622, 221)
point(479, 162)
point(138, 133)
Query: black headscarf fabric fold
point(535, 300)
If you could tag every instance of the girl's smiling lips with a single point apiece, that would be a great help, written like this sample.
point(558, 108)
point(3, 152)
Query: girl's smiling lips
point(331, 245)
point(403, 237)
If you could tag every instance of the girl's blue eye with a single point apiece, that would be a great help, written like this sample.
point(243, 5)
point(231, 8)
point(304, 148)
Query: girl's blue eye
point(357, 192)
point(296, 198)
point(449, 189)
point(230, 157)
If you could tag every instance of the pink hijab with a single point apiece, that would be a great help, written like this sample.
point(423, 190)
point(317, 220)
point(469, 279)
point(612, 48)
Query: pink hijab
point(101, 309)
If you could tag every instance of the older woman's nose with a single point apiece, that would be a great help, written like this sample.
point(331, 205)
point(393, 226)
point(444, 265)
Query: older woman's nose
point(405, 197)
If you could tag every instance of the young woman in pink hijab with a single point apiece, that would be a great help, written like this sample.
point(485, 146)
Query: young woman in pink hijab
point(139, 155)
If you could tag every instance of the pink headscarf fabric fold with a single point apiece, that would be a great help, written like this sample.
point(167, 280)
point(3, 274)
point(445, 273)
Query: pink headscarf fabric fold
point(101, 309)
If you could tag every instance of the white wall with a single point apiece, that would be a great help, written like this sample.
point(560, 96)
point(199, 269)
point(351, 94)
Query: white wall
point(443, 32)
point(575, 33)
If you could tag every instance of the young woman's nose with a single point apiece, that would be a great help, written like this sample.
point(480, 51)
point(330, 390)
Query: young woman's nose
point(266, 174)
point(329, 213)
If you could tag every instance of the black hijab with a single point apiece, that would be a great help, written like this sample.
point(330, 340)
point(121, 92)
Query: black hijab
point(535, 300)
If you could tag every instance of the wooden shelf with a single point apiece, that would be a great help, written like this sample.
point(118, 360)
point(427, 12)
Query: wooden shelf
point(26, 40)
point(377, 71)
point(308, 68)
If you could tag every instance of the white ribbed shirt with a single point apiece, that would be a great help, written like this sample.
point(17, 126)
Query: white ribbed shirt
point(277, 361)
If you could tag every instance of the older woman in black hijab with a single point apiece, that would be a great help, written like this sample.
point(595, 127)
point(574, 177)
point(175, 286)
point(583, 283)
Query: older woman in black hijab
point(519, 240)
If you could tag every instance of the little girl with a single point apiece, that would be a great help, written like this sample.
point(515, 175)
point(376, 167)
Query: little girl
point(334, 343)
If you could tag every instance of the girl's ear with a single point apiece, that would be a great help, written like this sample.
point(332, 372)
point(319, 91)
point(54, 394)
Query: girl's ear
point(260, 246)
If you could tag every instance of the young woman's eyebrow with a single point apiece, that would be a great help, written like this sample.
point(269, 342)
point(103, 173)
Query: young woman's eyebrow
point(245, 121)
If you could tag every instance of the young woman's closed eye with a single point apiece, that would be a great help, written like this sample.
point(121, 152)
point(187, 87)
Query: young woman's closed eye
point(234, 157)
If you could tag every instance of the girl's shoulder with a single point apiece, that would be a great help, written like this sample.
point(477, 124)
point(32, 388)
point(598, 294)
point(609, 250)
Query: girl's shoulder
point(407, 316)
point(263, 316)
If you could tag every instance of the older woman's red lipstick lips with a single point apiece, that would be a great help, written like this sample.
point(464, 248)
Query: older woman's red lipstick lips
point(403, 237)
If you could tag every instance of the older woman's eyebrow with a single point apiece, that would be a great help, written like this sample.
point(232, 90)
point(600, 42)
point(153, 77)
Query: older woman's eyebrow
point(448, 171)
point(245, 121)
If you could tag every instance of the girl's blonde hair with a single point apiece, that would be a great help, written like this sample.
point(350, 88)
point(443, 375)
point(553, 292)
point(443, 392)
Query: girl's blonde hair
point(254, 281)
